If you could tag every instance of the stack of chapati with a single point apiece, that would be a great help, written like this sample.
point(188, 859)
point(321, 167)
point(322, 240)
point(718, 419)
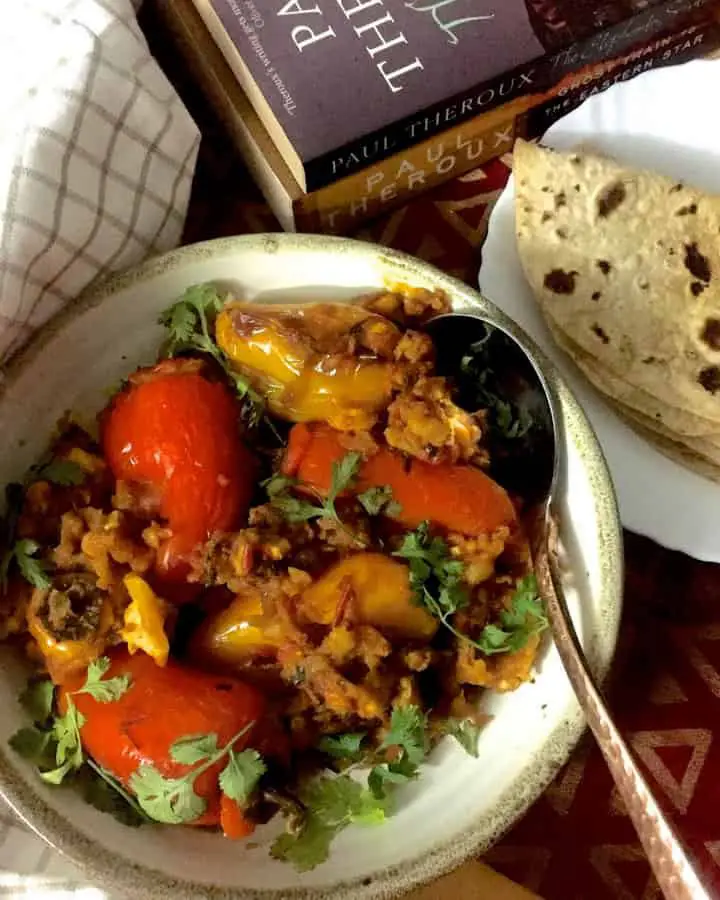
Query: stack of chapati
point(625, 265)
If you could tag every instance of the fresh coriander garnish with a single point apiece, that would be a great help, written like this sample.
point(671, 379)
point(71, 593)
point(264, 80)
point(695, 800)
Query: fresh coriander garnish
point(511, 421)
point(104, 792)
point(20, 552)
point(436, 580)
point(63, 472)
point(406, 738)
point(346, 746)
point(241, 775)
point(23, 552)
point(466, 733)
point(173, 800)
point(296, 509)
point(33, 570)
point(332, 803)
point(522, 620)
point(379, 500)
point(53, 743)
point(189, 323)
point(104, 690)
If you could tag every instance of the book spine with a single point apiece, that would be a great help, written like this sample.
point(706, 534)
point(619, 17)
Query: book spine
point(532, 77)
point(690, 43)
point(344, 206)
point(397, 179)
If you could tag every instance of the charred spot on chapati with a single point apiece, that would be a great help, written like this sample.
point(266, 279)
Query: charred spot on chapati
point(596, 295)
point(609, 199)
point(688, 210)
point(604, 266)
point(560, 282)
point(697, 264)
point(601, 333)
point(709, 378)
point(546, 216)
point(711, 333)
point(560, 200)
point(696, 288)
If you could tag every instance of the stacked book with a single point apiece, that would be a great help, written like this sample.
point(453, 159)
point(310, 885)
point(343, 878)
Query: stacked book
point(343, 109)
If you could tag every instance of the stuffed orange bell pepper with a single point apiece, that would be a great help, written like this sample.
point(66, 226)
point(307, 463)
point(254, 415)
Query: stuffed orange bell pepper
point(456, 497)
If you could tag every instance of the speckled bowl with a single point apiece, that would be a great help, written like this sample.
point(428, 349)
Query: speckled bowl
point(460, 805)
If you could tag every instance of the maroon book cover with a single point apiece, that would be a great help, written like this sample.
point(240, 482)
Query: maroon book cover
point(354, 81)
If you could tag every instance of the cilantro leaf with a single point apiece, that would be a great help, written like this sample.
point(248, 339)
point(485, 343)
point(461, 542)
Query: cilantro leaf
point(32, 570)
point(435, 577)
point(66, 731)
point(378, 500)
point(525, 603)
point(398, 772)
point(171, 801)
point(240, 777)
point(189, 322)
point(105, 793)
point(104, 690)
point(406, 735)
point(37, 700)
point(436, 580)
point(63, 472)
point(343, 746)
point(308, 848)
point(344, 474)
point(30, 743)
point(333, 804)
point(524, 618)
point(57, 776)
point(509, 420)
point(193, 748)
point(407, 731)
point(278, 484)
point(294, 509)
point(466, 733)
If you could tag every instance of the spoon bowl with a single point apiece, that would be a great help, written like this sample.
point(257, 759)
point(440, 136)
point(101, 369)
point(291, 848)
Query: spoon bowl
point(492, 369)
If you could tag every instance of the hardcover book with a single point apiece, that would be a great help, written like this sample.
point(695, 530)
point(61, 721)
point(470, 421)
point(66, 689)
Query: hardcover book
point(349, 202)
point(342, 84)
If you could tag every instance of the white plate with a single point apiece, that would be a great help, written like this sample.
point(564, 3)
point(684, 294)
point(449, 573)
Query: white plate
point(460, 804)
point(656, 121)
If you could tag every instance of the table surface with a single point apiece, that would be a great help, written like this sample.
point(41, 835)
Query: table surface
point(577, 842)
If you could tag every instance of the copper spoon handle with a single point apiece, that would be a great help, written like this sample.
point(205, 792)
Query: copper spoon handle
point(668, 858)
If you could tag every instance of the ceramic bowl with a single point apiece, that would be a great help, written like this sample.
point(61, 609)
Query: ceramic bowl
point(460, 805)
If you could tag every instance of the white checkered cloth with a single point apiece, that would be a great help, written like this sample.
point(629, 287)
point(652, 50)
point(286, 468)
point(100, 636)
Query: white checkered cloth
point(97, 155)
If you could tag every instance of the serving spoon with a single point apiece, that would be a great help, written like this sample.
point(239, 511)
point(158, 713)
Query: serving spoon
point(527, 459)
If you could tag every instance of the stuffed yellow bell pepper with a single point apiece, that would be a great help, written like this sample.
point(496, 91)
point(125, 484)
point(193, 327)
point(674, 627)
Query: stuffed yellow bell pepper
point(317, 362)
point(237, 634)
point(379, 589)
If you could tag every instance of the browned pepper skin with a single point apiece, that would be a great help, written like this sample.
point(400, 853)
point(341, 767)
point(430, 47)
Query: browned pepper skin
point(307, 362)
